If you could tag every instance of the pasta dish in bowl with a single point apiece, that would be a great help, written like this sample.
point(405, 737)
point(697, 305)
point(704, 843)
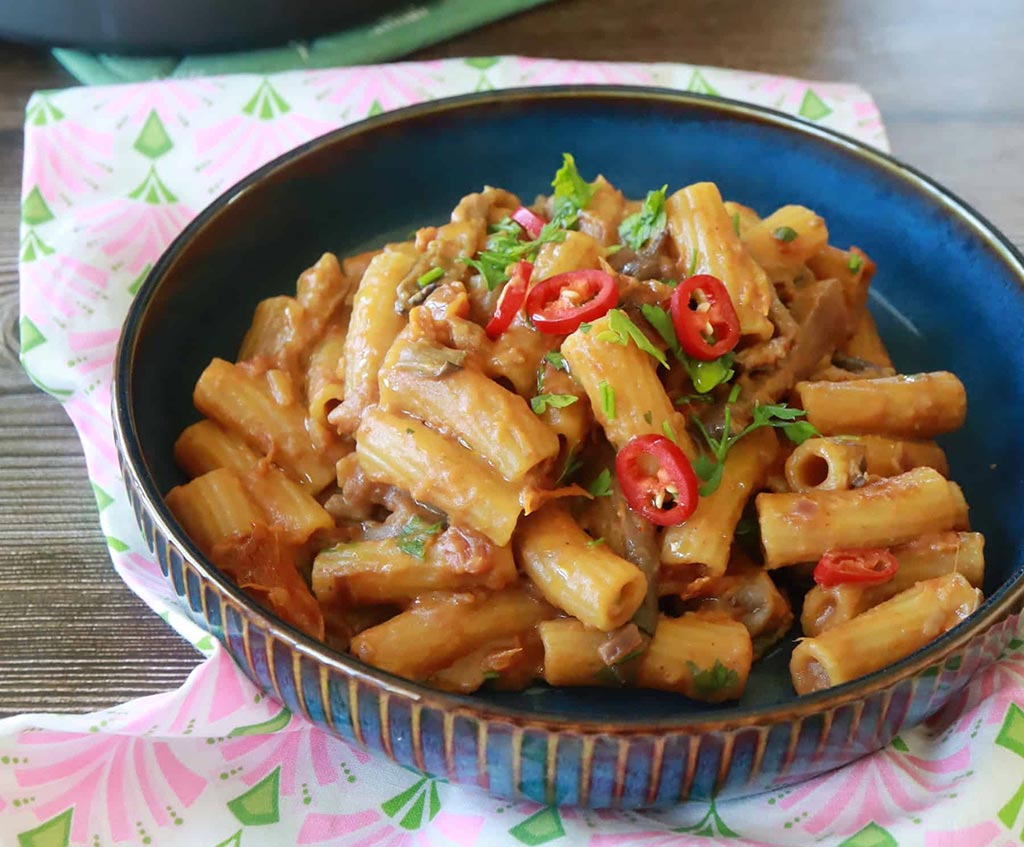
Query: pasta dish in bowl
point(598, 466)
point(518, 446)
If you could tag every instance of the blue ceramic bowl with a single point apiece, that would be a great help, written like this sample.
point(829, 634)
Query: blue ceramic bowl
point(948, 295)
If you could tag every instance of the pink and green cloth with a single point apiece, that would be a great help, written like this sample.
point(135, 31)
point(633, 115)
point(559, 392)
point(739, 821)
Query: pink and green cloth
point(111, 175)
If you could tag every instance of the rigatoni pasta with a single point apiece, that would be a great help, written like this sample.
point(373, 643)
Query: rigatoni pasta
point(587, 441)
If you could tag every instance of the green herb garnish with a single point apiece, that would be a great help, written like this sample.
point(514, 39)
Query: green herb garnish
point(855, 263)
point(704, 375)
point(602, 484)
point(607, 400)
point(736, 222)
point(595, 541)
point(785, 234)
point(415, 534)
point(777, 416)
point(433, 275)
point(621, 330)
point(491, 675)
point(542, 402)
point(693, 262)
point(642, 226)
point(649, 416)
point(670, 433)
point(571, 195)
point(573, 463)
point(710, 681)
point(556, 360)
point(504, 248)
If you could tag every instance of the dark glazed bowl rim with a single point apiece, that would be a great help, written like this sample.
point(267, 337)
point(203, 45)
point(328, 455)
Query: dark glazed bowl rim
point(993, 609)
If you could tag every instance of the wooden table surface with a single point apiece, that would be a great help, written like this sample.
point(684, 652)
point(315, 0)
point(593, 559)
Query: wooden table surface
point(946, 76)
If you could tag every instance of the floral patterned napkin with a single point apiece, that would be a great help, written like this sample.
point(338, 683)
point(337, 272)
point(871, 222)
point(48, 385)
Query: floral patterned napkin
point(111, 176)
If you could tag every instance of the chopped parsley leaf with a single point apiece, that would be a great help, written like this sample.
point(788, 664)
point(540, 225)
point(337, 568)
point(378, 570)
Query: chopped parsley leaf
point(607, 400)
point(408, 430)
point(542, 402)
point(777, 416)
point(414, 535)
point(612, 249)
point(640, 227)
point(556, 360)
point(704, 375)
point(571, 195)
point(711, 681)
point(433, 275)
point(855, 263)
point(649, 416)
point(621, 330)
point(602, 484)
point(573, 463)
point(504, 248)
point(785, 234)
point(670, 433)
point(491, 675)
point(595, 541)
point(736, 222)
point(694, 259)
point(585, 327)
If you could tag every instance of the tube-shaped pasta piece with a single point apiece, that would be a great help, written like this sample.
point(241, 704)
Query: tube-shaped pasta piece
point(702, 232)
point(702, 656)
point(828, 464)
point(924, 558)
point(578, 251)
point(243, 402)
point(214, 508)
point(363, 573)
point(749, 595)
point(324, 288)
point(890, 457)
point(205, 446)
point(865, 342)
point(511, 663)
point(434, 632)
point(372, 330)
point(621, 382)
point(438, 471)
point(918, 406)
point(325, 376)
point(278, 334)
point(570, 424)
point(586, 580)
point(603, 214)
point(492, 421)
point(516, 355)
point(705, 539)
point(800, 527)
point(743, 217)
point(854, 271)
point(786, 239)
point(884, 634)
point(571, 654)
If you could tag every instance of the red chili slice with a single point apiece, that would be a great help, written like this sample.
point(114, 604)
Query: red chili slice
point(530, 222)
point(706, 329)
point(560, 303)
point(510, 300)
point(650, 492)
point(865, 565)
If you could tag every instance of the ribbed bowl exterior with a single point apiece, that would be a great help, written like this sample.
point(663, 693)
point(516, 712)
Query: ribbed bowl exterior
point(520, 759)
